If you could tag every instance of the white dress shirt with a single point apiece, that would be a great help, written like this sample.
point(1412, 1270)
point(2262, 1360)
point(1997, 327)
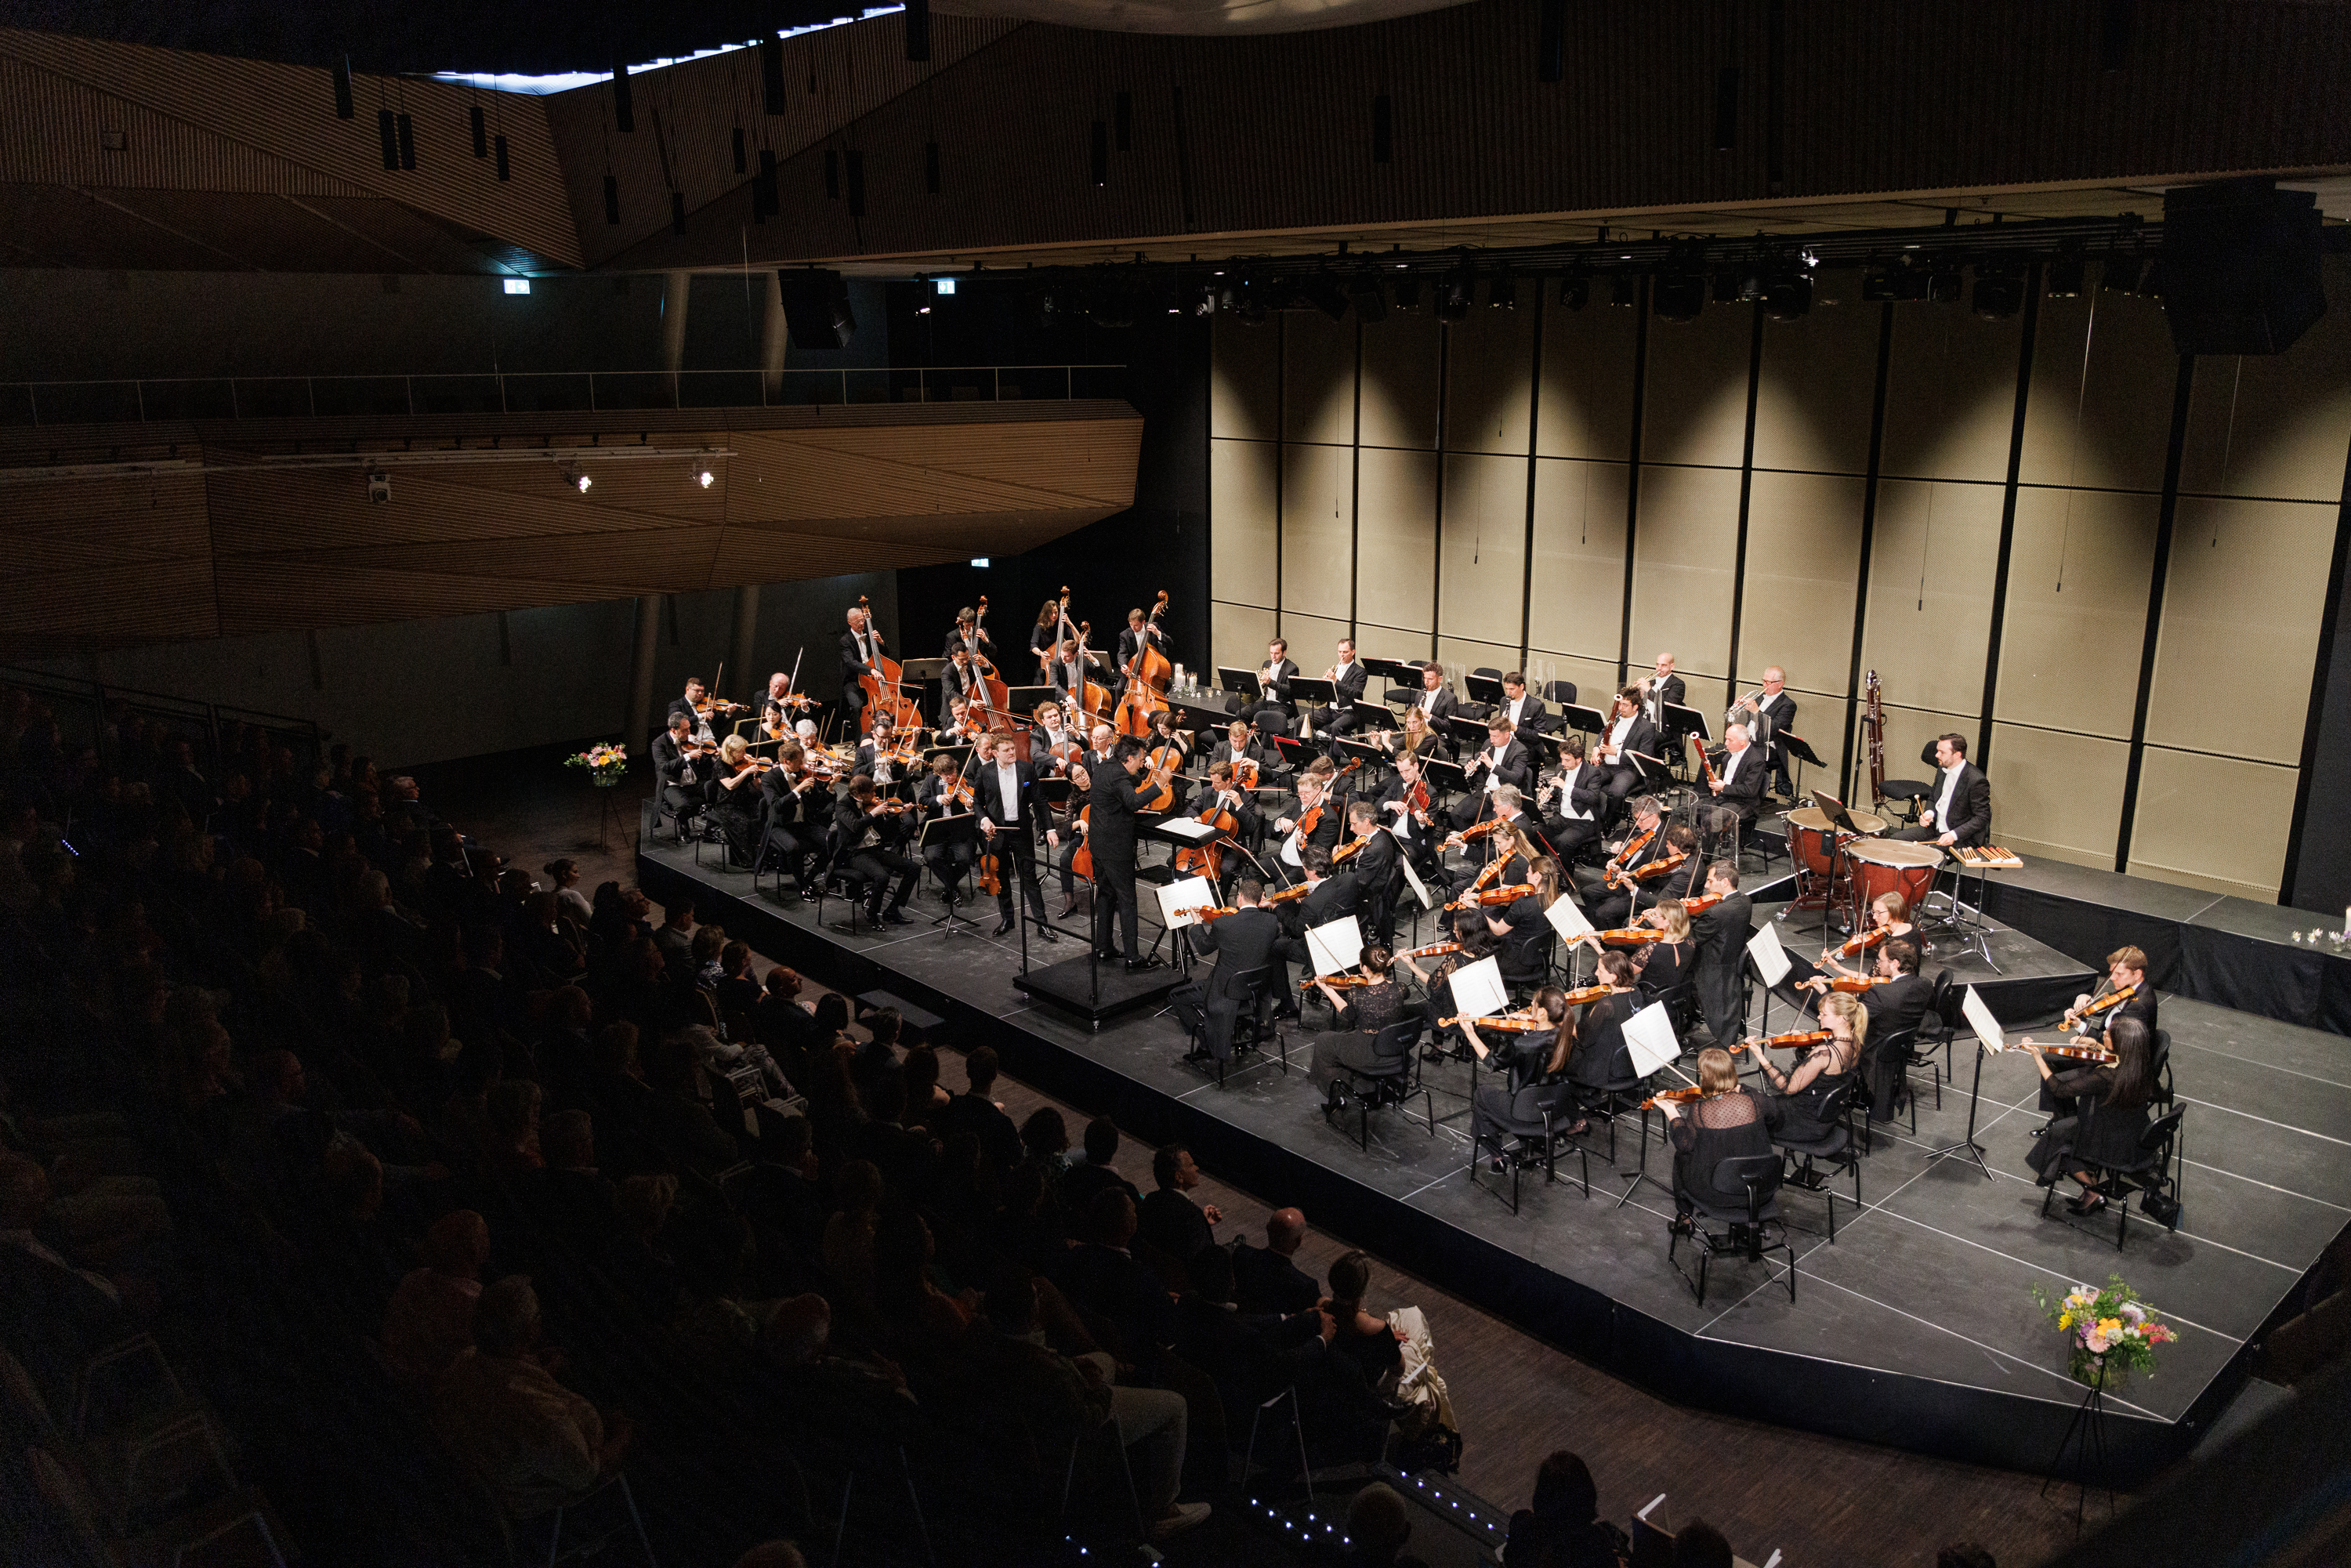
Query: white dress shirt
point(1943, 801)
point(1007, 793)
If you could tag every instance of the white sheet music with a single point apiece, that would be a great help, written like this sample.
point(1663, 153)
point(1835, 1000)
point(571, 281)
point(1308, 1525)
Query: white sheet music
point(1978, 1016)
point(1419, 888)
point(1184, 893)
point(1191, 829)
point(1567, 919)
point(1335, 947)
point(1769, 958)
point(1649, 1036)
point(1477, 989)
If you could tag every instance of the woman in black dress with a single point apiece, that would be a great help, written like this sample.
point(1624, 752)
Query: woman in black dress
point(1803, 1091)
point(1726, 1122)
point(1669, 961)
point(2108, 1115)
point(1043, 635)
point(1562, 1529)
point(1357, 1016)
point(1600, 1057)
point(1520, 930)
point(1535, 1057)
point(1366, 1340)
point(1476, 943)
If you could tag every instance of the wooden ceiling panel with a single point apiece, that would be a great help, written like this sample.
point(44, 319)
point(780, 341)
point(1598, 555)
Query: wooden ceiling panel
point(285, 548)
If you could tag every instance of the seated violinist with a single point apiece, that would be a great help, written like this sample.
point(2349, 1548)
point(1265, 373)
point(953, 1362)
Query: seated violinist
point(875, 758)
point(1614, 906)
point(1369, 1002)
point(779, 707)
point(1311, 823)
point(1052, 743)
point(1889, 918)
point(798, 805)
point(675, 766)
point(1724, 1121)
point(698, 706)
point(952, 861)
point(1601, 1056)
point(1409, 811)
point(959, 684)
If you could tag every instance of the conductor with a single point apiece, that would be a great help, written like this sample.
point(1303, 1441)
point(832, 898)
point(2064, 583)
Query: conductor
point(1109, 838)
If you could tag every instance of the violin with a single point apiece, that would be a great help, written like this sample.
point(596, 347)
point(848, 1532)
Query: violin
point(1792, 1041)
point(1244, 773)
point(1415, 798)
point(1433, 950)
point(1339, 982)
point(1850, 984)
point(1658, 868)
point(1631, 936)
point(1697, 906)
point(1290, 894)
point(1690, 1096)
point(1861, 942)
point(2092, 1054)
point(1475, 829)
point(1508, 1023)
point(1485, 879)
point(1615, 867)
point(1204, 914)
point(1352, 846)
point(1511, 893)
point(957, 791)
point(2097, 1005)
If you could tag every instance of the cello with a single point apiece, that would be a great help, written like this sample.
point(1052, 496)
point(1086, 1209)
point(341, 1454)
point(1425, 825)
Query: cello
point(1147, 675)
point(880, 682)
point(1209, 860)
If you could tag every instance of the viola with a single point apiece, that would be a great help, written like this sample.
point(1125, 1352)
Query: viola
point(2097, 1005)
point(1244, 773)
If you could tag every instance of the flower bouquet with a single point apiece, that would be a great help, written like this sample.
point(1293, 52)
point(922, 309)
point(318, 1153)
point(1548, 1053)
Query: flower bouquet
point(2109, 1333)
point(607, 764)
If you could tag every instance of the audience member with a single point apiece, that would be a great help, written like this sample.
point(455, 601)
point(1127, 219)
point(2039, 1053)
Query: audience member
point(535, 1444)
point(1264, 1278)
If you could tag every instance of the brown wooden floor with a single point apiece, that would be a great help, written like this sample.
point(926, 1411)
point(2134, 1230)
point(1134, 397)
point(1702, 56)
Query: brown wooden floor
point(1819, 1501)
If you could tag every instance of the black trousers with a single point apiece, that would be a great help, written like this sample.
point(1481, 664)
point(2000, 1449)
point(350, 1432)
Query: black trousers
point(1114, 894)
point(1020, 852)
point(789, 846)
point(874, 868)
point(950, 863)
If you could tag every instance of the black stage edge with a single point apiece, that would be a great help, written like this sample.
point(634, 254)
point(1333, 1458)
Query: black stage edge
point(1097, 992)
point(1914, 1330)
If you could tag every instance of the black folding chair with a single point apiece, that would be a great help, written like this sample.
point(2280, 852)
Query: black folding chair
point(1839, 1147)
point(1745, 1225)
point(1392, 1083)
point(1537, 1139)
point(2148, 1175)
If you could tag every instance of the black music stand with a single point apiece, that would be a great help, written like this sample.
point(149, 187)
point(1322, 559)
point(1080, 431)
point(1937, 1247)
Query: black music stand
point(1681, 720)
point(1022, 701)
point(1372, 715)
point(1371, 753)
point(1202, 716)
point(1967, 1146)
point(1295, 754)
point(1590, 720)
point(1403, 672)
point(1797, 747)
point(1484, 689)
point(1444, 778)
point(962, 827)
point(1310, 689)
point(1468, 733)
point(1243, 682)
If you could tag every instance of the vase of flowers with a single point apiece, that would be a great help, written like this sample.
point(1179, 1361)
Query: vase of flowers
point(606, 764)
point(2109, 1333)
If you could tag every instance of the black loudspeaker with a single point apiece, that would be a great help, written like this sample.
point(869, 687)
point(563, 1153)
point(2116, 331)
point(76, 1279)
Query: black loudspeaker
point(816, 309)
point(2240, 268)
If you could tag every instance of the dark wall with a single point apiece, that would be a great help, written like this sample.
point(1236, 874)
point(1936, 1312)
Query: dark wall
point(1122, 561)
point(2318, 859)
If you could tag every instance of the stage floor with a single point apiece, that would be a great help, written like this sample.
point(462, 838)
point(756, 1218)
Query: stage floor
point(1915, 1328)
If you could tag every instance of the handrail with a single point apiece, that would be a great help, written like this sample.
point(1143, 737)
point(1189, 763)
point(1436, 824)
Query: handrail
point(142, 400)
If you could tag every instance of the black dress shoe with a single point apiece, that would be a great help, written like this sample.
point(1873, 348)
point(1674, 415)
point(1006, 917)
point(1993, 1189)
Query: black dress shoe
point(1002, 927)
point(1046, 933)
point(893, 916)
point(1137, 966)
point(811, 895)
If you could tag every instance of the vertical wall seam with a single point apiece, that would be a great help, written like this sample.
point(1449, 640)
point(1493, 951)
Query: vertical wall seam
point(1633, 476)
point(2157, 577)
point(1437, 577)
point(1746, 495)
point(1356, 500)
point(1849, 758)
point(1534, 439)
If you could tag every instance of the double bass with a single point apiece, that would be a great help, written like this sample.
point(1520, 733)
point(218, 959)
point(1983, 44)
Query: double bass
point(1092, 698)
point(1148, 673)
point(880, 682)
point(994, 693)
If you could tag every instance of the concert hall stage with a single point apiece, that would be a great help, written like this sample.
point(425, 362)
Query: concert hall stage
point(1916, 1328)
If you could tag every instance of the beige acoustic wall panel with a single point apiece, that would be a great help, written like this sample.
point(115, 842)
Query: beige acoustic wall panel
point(1318, 542)
point(1238, 635)
point(1376, 641)
point(1578, 604)
point(1396, 539)
point(2100, 411)
point(1313, 642)
point(1803, 549)
point(1244, 379)
point(1930, 572)
point(1318, 377)
point(1950, 393)
point(2075, 628)
point(1819, 380)
point(1490, 380)
point(1908, 732)
point(2241, 612)
point(2276, 424)
point(1481, 585)
point(1242, 559)
point(1400, 364)
point(1698, 388)
point(1586, 409)
point(2058, 794)
point(1459, 655)
point(1593, 678)
point(1684, 549)
point(2214, 822)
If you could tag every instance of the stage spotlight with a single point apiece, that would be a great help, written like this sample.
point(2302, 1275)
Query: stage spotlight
point(2062, 277)
point(1624, 289)
point(1678, 296)
point(1999, 290)
point(1364, 294)
point(705, 478)
point(1502, 291)
point(1730, 288)
point(1323, 292)
point(1943, 284)
point(1787, 297)
point(1456, 292)
point(1408, 292)
point(581, 481)
point(1576, 291)
point(2123, 274)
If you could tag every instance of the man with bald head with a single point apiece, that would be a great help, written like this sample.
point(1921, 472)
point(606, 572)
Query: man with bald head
point(1266, 1279)
point(861, 645)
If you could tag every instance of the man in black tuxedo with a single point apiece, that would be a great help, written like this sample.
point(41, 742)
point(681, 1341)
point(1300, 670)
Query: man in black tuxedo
point(1961, 811)
point(1505, 760)
point(1243, 942)
point(1140, 628)
point(1738, 779)
point(1435, 697)
point(861, 645)
point(869, 851)
point(1329, 898)
point(1111, 838)
point(1296, 839)
point(1578, 799)
point(1776, 715)
point(1067, 673)
point(872, 758)
point(1660, 688)
point(1894, 1006)
point(1011, 818)
point(1374, 868)
point(1722, 933)
point(960, 678)
point(696, 718)
point(1273, 713)
point(681, 782)
point(969, 634)
point(1522, 709)
point(1630, 730)
point(1417, 835)
point(1349, 677)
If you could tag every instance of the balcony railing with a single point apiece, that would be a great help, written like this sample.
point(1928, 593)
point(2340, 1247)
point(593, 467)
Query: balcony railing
point(582, 392)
